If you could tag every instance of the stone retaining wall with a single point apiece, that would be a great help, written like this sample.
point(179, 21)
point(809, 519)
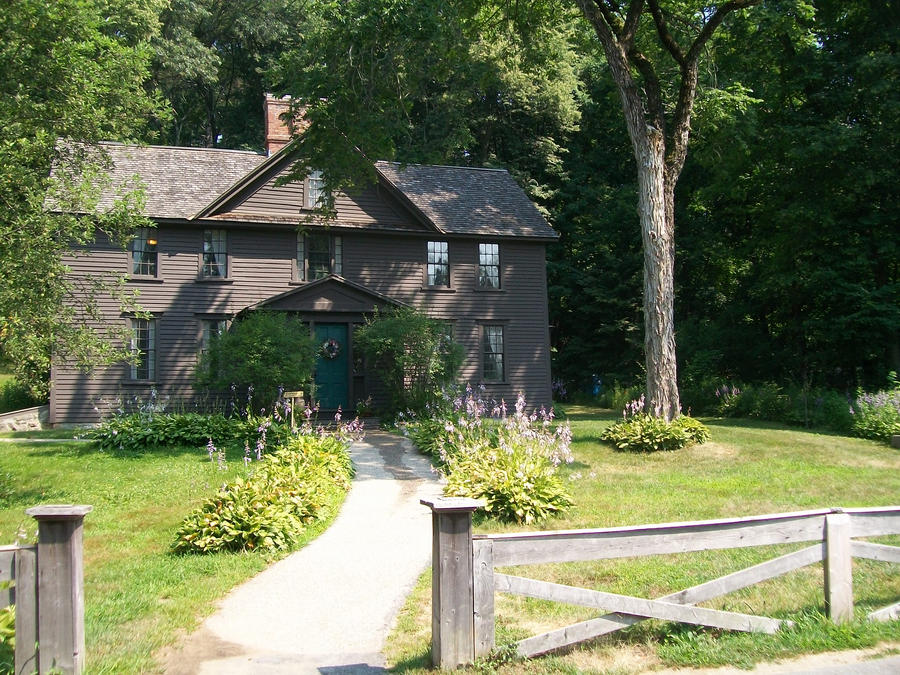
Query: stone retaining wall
point(28, 419)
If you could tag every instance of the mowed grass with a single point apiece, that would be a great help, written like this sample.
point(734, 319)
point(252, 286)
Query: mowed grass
point(747, 468)
point(138, 596)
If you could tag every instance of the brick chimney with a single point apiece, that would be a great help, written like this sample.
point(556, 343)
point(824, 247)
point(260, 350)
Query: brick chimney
point(278, 129)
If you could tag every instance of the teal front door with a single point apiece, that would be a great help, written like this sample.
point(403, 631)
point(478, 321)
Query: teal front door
point(332, 365)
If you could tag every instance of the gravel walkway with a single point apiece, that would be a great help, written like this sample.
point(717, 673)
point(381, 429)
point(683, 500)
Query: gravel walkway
point(329, 607)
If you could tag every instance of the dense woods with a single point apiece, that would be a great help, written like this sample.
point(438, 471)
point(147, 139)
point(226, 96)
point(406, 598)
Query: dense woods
point(784, 216)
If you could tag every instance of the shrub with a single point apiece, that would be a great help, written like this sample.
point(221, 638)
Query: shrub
point(140, 431)
point(413, 354)
point(642, 432)
point(510, 461)
point(877, 416)
point(271, 508)
point(15, 396)
point(260, 353)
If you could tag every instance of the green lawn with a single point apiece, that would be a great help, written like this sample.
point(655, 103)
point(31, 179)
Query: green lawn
point(138, 596)
point(747, 468)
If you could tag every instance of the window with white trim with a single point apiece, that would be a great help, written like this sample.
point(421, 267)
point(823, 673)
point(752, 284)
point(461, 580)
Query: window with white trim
point(315, 190)
point(143, 253)
point(214, 262)
point(143, 349)
point(437, 265)
point(209, 330)
point(488, 266)
point(318, 255)
point(493, 354)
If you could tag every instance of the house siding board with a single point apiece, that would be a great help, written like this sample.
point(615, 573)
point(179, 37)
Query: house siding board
point(371, 206)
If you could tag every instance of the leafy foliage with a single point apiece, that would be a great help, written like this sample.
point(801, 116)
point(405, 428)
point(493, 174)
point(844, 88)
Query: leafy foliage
point(640, 431)
point(877, 416)
point(208, 63)
point(463, 83)
point(71, 69)
point(510, 461)
point(264, 352)
point(412, 353)
point(138, 432)
point(8, 626)
point(271, 508)
point(15, 396)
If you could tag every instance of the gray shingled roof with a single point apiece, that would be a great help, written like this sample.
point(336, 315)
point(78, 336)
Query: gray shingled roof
point(179, 181)
point(462, 200)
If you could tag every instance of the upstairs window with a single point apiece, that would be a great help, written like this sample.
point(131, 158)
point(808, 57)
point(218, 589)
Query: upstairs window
point(488, 266)
point(315, 190)
point(214, 262)
point(437, 267)
point(143, 253)
point(143, 349)
point(492, 363)
point(318, 255)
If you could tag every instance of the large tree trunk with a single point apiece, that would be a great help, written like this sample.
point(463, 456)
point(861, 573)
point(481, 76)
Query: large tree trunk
point(656, 212)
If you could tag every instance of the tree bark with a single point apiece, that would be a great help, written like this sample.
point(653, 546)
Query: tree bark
point(659, 163)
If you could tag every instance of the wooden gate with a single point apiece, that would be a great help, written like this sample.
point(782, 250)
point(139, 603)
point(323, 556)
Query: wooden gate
point(832, 532)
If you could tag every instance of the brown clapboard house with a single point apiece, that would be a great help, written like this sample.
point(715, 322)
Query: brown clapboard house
point(465, 245)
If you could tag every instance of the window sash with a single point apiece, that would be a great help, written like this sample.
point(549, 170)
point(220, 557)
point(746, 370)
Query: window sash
point(493, 366)
point(143, 253)
point(143, 347)
point(489, 266)
point(215, 255)
point(438, 264)
point(319, 255)
point(210, 328)
point(315, 190)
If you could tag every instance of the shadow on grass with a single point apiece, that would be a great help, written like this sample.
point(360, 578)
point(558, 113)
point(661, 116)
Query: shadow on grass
point(746, 423)
point(585, 413)
point(233, 452)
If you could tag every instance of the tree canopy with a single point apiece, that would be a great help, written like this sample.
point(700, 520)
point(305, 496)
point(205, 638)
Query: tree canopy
point(71, 69)
point(786, 266)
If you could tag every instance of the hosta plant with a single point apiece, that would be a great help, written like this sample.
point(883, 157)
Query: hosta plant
point(639, 431)
point(271, 508)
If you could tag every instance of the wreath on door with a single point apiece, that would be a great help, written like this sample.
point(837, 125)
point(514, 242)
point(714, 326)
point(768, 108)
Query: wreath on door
point(331, 348)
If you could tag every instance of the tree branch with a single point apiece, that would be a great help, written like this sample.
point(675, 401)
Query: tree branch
point(681, 123)
point(714, 22)
point(632, 20)
point(665, 36)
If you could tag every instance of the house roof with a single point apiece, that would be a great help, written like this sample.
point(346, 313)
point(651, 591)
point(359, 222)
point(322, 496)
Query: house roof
point(178, 181)
point(463, 200)
point(186, 183)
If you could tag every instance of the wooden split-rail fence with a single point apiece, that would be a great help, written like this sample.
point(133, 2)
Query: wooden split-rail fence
point(47, 588)
point(464, 576)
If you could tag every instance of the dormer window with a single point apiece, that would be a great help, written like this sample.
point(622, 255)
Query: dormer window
point(315, 190)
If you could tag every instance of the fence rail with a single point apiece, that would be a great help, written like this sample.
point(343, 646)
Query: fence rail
point(47, 588)
point(465, 590)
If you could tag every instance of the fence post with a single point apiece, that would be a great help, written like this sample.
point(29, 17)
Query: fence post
point(60, 587)
point(838, 567)
point(452, 600)
point(26, 653)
